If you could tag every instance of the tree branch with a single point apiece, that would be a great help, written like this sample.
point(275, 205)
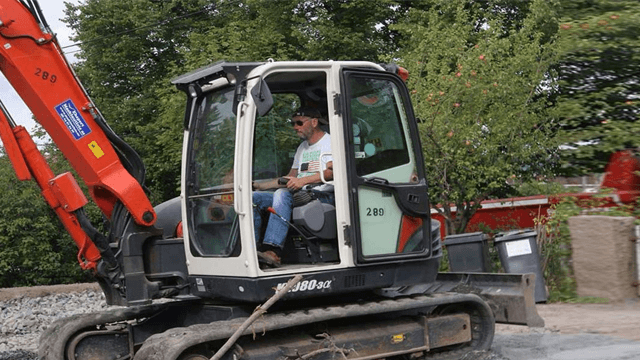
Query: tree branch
point(259, 311)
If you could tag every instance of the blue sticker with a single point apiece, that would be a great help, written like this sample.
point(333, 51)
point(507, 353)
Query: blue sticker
point(72, 119)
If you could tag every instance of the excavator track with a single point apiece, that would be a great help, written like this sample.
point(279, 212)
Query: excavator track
point(172, 344)
point(54, 340)
point(441, 316)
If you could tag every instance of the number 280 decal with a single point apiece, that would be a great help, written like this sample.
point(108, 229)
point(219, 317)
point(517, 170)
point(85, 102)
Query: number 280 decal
point(307, 285)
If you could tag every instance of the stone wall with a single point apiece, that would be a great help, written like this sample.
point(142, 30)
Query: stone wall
point(604, 256)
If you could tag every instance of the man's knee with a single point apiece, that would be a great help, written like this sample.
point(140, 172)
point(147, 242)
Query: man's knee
point(282, 194)
point(262, 199)
point(282, 199)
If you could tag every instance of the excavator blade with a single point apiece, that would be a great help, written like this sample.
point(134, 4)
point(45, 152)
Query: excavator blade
point(510, 296)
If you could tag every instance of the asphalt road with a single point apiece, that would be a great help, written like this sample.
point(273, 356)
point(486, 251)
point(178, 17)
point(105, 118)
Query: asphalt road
point(574, 332)
point(565, 347)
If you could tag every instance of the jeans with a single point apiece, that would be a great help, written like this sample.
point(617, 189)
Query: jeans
point(282, 202)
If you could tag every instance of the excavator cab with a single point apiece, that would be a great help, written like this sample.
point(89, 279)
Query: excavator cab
point(238, 131)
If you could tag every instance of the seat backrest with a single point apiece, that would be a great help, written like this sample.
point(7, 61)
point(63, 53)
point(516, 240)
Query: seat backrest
point(318, 218)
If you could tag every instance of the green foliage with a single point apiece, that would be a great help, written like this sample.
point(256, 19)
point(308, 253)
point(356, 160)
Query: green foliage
point(444, 263)
point(554, 247)
point(479, 82)
point(597, 101)
point(131, 49)
point(532, 188)
point(296, 30)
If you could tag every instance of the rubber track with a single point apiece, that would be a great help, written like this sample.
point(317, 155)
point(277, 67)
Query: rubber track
point(171, 343)
point(480, 328)
point(54, 339)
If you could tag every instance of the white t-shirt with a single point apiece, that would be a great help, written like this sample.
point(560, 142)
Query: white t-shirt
point(307, 159)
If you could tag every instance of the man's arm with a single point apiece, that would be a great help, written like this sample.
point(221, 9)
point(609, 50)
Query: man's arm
point(297, 183)
point(273, 183)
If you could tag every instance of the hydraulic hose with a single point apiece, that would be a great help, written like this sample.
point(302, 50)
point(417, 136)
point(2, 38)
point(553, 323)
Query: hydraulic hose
point(98, 239)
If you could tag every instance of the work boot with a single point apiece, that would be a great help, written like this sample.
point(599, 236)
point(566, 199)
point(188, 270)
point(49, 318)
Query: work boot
point(269, 258)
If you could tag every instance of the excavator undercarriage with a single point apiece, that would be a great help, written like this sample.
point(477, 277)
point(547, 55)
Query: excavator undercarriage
point(373, 329)
point(422, 322)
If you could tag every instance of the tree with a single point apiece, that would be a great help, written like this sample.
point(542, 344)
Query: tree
point(480, 85)
point(130, 50)
point(597, 100)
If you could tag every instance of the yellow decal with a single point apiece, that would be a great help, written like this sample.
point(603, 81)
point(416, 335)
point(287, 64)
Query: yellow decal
point(97, 151)
point(396, 339)
point(223, 199)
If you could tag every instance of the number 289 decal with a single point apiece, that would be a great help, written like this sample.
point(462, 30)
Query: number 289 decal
point(45, 75)
point(375, 211)
point(307, 285)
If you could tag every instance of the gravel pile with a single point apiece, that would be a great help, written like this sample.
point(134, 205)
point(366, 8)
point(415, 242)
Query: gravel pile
point(23, 319)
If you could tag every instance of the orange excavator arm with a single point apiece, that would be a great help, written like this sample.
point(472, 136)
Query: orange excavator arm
point(32, 61)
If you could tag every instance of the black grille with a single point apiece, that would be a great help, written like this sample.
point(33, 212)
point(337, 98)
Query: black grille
point(354, 281)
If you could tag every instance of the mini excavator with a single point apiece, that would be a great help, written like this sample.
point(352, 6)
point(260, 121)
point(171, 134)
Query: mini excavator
point(185, 274)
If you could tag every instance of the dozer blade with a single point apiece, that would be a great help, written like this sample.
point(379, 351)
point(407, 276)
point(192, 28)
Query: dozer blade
point(510, 296)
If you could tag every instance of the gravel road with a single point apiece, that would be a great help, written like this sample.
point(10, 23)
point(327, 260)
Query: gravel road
point(26, 312)
point(572, 331)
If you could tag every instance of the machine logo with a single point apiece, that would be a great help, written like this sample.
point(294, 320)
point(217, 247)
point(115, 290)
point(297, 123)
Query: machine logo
point(73, 119)
point(308, 285)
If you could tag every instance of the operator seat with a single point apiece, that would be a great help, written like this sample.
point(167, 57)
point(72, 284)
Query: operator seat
point(316, 217)
point(318, 222)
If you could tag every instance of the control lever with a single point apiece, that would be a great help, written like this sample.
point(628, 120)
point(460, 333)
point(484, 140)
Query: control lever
point(302, 234)
point(283, 181)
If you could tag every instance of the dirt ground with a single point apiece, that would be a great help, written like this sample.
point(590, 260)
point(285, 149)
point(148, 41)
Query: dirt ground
point(617, 319)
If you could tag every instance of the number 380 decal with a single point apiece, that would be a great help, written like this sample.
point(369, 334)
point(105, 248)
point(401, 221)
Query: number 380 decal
point(308, 285)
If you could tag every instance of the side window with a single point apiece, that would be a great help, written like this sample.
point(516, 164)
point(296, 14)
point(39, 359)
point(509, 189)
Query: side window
point(379, 137)
point(274, 141)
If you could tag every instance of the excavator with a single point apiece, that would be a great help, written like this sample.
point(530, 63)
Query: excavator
point(358, 277)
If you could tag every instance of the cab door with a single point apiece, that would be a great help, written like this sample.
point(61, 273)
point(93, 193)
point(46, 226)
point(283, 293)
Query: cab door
point(388, 191)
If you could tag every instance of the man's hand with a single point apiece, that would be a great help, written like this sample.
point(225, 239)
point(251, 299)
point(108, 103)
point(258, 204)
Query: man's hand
point(296, 183)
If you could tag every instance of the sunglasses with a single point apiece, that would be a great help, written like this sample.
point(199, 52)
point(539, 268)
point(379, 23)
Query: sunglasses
point(298, 122)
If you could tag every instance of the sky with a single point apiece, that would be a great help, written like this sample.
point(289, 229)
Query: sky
point(53, 11)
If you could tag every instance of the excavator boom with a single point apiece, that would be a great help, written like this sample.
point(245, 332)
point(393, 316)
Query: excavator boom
point(32, 61)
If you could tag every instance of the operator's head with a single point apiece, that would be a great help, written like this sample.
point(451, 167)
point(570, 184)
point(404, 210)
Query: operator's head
point(306, 122)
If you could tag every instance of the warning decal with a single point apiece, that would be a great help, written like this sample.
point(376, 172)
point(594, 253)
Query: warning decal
point(72, 119)
point(95, 148)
